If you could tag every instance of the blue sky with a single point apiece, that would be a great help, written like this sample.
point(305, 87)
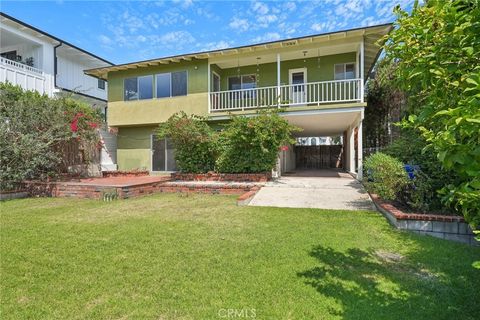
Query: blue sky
point(125, 31)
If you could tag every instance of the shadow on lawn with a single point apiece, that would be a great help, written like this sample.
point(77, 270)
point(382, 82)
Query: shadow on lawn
point(383, 285)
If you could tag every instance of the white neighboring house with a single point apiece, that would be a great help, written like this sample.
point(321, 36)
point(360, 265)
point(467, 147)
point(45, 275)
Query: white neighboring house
point(36, 60)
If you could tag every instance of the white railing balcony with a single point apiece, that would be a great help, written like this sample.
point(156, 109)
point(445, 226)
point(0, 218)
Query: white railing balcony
point(17, 73)
point(313, 93)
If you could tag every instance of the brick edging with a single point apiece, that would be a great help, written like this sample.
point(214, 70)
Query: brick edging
point(245, 198)
point(223, 177)
point(400, 215)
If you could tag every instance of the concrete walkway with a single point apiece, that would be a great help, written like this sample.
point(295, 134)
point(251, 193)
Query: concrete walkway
point(324, 191)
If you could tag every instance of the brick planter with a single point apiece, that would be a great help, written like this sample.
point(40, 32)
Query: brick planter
point(213, 176)
point(136, 173)
point(452, 228)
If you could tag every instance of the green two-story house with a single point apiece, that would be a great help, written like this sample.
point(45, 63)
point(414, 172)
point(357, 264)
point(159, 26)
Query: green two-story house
point(317, 80)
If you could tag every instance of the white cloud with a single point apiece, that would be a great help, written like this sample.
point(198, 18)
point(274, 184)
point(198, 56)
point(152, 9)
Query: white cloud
point(326, 26)
point(184, 3)
point(177, 37)
point(266, 20)
point(222, 44)
point(290, 6)
point(105, 40)
point(269, 36)
point(239, 24)
point(260, 8)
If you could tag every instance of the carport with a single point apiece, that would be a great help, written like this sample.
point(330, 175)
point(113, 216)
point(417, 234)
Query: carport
point(344, 121)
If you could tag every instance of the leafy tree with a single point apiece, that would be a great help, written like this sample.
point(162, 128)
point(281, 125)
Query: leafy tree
point(437, 51)
point(196, 143)
point(386, 105)
point(32, 129)
point(251, 144)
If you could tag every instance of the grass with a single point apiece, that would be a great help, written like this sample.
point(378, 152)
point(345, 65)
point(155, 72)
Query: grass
point(202, 257)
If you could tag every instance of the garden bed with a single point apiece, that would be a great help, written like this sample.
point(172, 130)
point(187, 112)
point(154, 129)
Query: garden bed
point(449, 227)
point(213, 176)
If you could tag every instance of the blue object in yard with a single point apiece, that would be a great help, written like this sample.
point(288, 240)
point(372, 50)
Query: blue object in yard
point(410, 169)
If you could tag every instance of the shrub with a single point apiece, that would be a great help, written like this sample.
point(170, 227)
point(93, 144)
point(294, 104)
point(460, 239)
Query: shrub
point(33, 126)
point(385, 176)
point(196, 143)
point(424, 192)
point(251, 144)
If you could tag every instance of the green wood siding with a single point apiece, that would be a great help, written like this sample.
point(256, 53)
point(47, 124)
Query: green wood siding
point(317, 70)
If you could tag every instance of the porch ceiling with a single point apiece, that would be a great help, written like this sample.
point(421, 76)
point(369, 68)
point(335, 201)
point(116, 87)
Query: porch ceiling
point(323, 123)
point(298, 53)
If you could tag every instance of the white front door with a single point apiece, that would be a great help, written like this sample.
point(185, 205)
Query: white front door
point(298, 89)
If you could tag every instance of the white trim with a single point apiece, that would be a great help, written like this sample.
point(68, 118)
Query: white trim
point(301, 113)
point(362, 67)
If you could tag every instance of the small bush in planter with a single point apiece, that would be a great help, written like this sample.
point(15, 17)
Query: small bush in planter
point(385, 176)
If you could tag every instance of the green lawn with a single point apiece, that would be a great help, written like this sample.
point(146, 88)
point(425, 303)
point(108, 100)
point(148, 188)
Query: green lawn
point(196, 257)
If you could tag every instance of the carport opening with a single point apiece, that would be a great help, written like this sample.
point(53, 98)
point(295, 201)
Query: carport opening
point(314, 155)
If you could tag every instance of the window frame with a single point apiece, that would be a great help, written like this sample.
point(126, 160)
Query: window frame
point(214, 74)
point(104, 84)
point(171, 87)
point(344, 71)
point(241, 81)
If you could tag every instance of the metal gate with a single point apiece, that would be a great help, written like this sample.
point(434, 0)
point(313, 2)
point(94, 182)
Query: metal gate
point(319, 157)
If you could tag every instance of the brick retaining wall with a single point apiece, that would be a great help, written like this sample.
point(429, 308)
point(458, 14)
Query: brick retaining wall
point(213, 176)
point(452, 228)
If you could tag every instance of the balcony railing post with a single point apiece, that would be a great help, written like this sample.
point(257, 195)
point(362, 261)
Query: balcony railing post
point(278, 81)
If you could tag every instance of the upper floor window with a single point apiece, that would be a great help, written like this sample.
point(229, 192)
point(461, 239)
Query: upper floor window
point(344, 71)
point(101, 84)
point(138, 88)
point(242, 82)
point(171, 84)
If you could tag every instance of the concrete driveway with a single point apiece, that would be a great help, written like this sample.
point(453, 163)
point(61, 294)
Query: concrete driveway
point(319, 189)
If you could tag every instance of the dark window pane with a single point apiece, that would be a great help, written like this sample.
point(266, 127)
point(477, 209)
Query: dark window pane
point(145, 89)
point(158, 155)
point(130, 89)
point(248, 82)
point(171, 163)
point(216, 83)
point(179, 83)
point(163, 85)
point(234, 83)
point(350, 71)
point(339, 72)
point(101, 84)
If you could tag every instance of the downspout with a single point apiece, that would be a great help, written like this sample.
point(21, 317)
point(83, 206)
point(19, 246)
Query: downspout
point(55, 64)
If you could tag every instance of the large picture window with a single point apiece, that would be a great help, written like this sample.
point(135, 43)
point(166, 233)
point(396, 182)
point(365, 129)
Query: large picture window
point(344, 71)
point(171, 84)
point(138, 88)
point(166, 85)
